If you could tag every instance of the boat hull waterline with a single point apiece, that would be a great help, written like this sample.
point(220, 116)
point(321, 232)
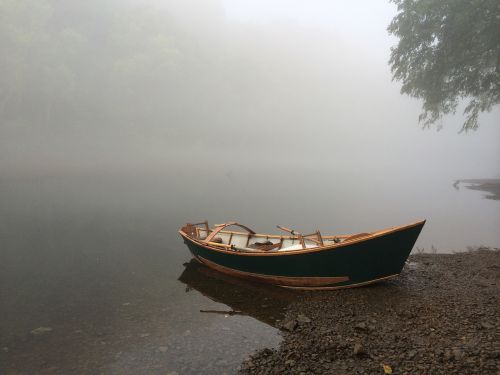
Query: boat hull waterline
point(358, 260)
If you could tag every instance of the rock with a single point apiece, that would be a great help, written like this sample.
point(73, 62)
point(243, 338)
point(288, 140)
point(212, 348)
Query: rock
point(303, 319)
point(290, 362)
point(448, 355)
point(361, 326)
point(495, 354)
point(289, 325)
point(162, 349)
point(144, 335)
point(487, 325)
point(41, 331)
point(358, 349)
point(411, 354)
point(457, 354)
point(266, 352)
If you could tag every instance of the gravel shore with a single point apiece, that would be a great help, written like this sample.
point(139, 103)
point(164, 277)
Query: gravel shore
point(441, 316)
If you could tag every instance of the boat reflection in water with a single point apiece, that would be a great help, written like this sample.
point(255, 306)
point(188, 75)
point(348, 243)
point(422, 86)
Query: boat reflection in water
point(265, 303)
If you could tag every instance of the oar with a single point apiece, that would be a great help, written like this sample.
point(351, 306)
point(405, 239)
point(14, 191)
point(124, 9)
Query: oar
point(291, 231)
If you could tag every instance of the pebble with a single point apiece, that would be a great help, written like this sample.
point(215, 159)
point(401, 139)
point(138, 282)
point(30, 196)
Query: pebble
point(358, 349)
point(487, 325)
point(361, 326)
point(289, 325)
point(457, 354)
point(303, 319)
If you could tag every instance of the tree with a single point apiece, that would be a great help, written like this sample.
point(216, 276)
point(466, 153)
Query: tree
point(448, 51)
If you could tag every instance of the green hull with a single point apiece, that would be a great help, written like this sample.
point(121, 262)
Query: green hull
point(356, 263)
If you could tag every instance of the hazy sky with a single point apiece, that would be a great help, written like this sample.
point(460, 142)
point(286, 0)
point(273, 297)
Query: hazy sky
point(355, 20)
point(258, 83)
point(362, 25)
point(382, 124)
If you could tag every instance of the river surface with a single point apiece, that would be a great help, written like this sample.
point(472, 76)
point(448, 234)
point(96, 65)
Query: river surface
point(94, 277)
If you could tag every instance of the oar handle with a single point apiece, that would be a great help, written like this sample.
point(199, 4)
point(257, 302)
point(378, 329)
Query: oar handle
point(291, 231)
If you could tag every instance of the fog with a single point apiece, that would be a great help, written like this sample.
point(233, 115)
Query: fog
point(120, 120)
point(259, 111)
point(122, 86)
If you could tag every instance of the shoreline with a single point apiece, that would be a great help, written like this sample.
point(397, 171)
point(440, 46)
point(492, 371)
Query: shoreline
point(440, 316)
point(487, 185)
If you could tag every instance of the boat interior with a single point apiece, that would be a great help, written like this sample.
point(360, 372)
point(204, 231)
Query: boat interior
point(249, 241)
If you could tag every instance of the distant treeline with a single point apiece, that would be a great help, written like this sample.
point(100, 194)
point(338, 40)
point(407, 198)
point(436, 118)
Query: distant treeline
point(88, 60)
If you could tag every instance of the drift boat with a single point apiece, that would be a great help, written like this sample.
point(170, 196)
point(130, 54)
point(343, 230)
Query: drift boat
point(302, 261)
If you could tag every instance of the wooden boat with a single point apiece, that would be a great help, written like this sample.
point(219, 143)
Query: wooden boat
point(302, 261)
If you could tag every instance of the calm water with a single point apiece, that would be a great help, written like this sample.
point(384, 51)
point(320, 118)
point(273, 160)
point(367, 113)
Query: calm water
point(97, 259)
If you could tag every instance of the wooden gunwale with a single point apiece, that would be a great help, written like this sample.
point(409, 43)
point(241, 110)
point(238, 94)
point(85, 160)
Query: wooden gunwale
point(333, 246)
point(219, 244)
point(281, 236)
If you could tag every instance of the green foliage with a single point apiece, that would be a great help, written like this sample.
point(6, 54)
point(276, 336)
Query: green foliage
point(448, 51)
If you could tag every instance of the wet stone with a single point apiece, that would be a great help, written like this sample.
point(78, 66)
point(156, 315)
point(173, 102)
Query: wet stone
point(358, 349)
point(487, 325)
point(457, 354)
point(303, 319)
point(361, 326)
point(289, 325)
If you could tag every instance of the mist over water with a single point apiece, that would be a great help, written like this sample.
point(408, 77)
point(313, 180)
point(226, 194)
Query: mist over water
point(122, 120)
point(134, 86)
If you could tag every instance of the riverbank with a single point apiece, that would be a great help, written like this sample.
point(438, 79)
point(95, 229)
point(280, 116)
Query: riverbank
point(490, 186)
point(441, 316)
